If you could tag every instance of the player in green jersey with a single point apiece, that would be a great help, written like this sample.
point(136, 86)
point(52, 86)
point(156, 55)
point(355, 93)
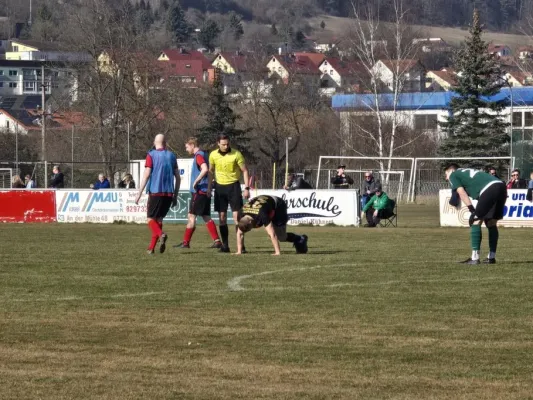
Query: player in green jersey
point(491, 195)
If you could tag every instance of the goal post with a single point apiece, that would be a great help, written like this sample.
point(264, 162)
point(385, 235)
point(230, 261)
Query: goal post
point(6, 178)
point(437, 176)
point(406, 167)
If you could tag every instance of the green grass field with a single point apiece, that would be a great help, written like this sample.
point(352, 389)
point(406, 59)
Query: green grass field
point(367, 314)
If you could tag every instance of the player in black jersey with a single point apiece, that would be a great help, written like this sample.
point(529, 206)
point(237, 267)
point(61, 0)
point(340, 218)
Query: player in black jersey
point(270, 212)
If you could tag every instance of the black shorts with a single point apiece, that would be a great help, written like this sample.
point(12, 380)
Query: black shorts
point(158, 206)
point(491, 203)
point(200, 204)
point(228, 195)
point(280, 217)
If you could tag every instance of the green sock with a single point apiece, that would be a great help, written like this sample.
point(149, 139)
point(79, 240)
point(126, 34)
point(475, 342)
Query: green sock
point(475, 237)
point(493, 238)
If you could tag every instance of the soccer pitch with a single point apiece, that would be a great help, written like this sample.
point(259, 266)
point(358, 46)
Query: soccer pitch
point(366, 314)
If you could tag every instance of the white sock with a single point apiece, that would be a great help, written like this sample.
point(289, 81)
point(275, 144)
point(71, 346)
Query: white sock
point(475, 255)
point(492, 254)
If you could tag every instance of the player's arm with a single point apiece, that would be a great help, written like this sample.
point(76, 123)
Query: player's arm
point(240, 241)
point(144, 181)
point(275, 242)
point(464, 196)
point(246, 176)
point(209, 183)
point(177, 186)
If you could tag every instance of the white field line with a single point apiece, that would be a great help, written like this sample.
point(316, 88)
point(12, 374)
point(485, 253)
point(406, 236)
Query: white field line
point(234, 284)
point(75, 298)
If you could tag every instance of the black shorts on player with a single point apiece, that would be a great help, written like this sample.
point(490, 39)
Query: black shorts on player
point(200, 205)
point(158, 206)
point(228, 195)
point(491, 203)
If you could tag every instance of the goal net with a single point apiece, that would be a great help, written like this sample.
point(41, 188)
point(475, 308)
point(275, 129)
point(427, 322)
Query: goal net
point(395, 181)
point(6, 178)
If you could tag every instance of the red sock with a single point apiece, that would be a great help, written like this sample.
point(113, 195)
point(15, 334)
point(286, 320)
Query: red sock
point(153, 242)
point(188, 235)
point(212, 228)
point(155, 228)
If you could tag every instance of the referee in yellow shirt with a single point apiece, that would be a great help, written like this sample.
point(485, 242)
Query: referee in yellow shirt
point(227, 165)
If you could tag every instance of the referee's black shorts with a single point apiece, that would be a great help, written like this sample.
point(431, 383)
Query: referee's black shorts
point(491, 203)
point(200, 205)
point(158, 206)
point(228, 195)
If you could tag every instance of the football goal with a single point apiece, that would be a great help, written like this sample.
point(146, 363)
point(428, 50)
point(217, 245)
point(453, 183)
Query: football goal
point(6, 178)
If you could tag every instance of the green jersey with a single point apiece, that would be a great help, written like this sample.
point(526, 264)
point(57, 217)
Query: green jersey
point(472, 181)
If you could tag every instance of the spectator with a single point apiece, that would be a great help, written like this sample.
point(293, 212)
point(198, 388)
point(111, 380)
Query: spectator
point(378, 207)
point(516, 182)
point(297, 182)
point(369, 188)
point(30, 183)
point(57, 178)
point(493, 172)
point(101, 183)
point(127, 182)
point(341, 180)
point(529, 196)
point(17, 183)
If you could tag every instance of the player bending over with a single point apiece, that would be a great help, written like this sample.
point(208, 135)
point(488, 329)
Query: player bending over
point(491, 194)
point(270, 212)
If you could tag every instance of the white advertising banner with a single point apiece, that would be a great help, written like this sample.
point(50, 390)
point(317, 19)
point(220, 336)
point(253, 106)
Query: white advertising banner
point(518, 211)
point(318, 207)
point(100, 206)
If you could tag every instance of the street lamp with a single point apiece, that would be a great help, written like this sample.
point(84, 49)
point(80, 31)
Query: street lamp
point(72, 156)
point(287, 160)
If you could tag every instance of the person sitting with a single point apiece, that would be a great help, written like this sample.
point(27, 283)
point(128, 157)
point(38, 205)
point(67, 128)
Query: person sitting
point(297, 182)
point(516, 182)
point(341, 180)
point(377, 208)
point(101, 183)
point(17, 183)
point(127, 182)
point(369, 188)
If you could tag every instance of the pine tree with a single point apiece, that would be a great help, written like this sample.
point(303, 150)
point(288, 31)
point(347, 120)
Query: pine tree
point(235, 25)
point(474, 127)
point(323, 25)
point(177, 25)
point(274, 30)
point(208, 34)
point(221, 119)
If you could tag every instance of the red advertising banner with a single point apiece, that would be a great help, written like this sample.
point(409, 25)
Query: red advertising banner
point(27, 206)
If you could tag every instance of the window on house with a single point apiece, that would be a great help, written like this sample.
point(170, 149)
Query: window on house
point(517, 118)
point(1, 72)
point(13, 72)
point(7, 124)
point(426, 122)
point(528, 119)
point(13, 84)
point(1, 84)
point(188, 66)
point(15, 48)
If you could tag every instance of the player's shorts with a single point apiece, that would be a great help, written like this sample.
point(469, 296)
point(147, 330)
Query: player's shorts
point(228, 195)
point(200, 205)
point(491, 203)
point(158, 206)
point(280, 217)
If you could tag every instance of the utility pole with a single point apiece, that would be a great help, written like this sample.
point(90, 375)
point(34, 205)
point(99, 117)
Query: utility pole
point(43, 126)
point(30, 20)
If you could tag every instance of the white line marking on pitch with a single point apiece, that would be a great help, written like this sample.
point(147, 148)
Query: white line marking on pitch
point(74, 298)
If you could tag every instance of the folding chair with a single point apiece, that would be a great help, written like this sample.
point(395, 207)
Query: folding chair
point(393, 219)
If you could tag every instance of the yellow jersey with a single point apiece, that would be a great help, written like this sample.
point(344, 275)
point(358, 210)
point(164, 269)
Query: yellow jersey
point(227, 166)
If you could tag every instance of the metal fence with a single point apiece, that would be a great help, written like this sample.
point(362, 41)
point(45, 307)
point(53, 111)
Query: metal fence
point(77, 175)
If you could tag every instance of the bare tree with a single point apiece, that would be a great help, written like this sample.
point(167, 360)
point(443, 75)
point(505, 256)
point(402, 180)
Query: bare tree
point(375, 43)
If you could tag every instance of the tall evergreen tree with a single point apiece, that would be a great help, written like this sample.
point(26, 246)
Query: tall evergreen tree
point(474, 127)
point(221, 119)
point(235, 25)
point(177, 24)
point(208, 34)
point(274, 30)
